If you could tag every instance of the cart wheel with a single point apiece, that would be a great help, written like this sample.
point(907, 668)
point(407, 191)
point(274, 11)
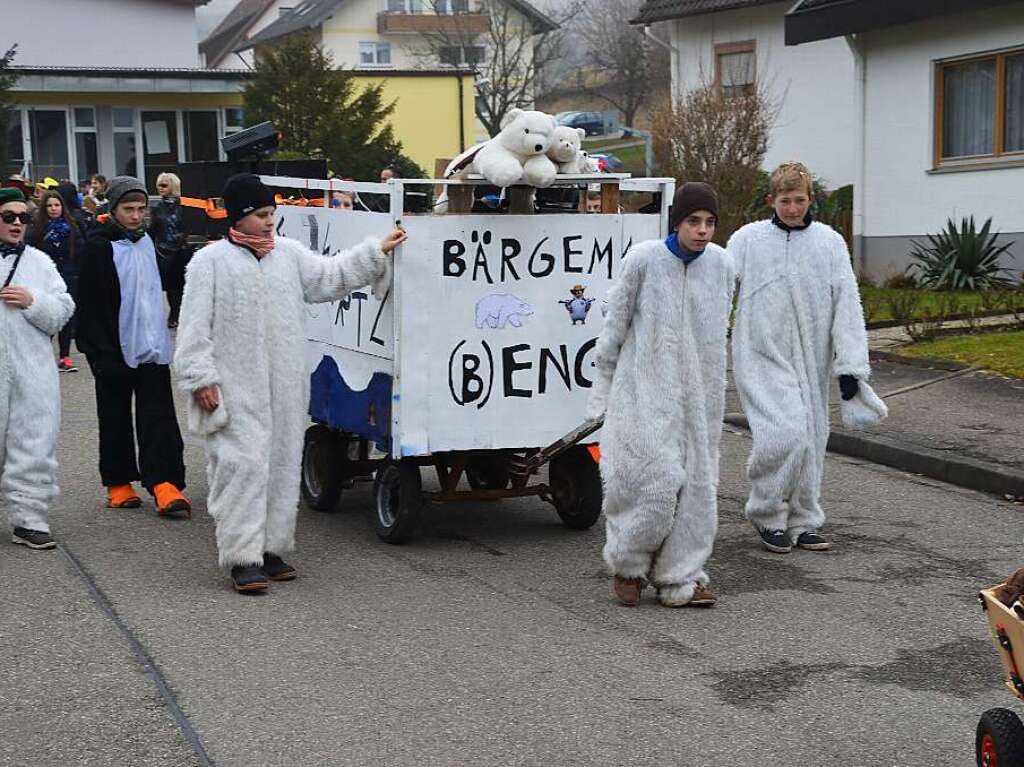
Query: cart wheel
point(490, 473)
point(321, 476)
point(575, 481)
point(999, 741)
point(399, 493)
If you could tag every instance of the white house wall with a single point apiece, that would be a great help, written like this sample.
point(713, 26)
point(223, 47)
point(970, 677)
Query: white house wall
point(903, 199)
point(106, 33)
point(814, 84)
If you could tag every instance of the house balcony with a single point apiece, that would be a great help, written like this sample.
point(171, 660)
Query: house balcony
point(462, 24)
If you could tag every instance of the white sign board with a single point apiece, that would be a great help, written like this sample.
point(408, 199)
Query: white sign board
point(498, 319)
point(358, 322)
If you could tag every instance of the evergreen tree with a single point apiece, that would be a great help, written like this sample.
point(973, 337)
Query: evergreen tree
point(322, 113)
point(7, 80)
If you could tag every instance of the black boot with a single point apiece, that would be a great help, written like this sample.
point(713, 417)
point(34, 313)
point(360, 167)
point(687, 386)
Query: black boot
point(248, 578)
point(277, 569)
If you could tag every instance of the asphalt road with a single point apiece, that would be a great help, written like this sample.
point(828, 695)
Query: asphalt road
point(493, 638)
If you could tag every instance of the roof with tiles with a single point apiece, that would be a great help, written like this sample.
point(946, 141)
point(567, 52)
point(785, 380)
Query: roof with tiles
point(661, 10)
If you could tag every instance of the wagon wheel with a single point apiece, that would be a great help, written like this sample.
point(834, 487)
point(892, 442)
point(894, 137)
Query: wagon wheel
point(575, 481)
point(398, 491)
point(322, 481)
point(999, 741)
point(488, 472)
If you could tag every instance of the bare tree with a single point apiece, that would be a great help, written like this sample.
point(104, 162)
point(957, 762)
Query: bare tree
point(708, 136)
point(499, 45)
point(626, 67)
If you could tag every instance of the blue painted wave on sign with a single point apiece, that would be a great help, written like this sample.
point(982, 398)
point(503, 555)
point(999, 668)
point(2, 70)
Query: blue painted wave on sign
point(366, 413)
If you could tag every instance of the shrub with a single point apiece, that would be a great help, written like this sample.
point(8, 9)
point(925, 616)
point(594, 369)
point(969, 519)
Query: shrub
point(960, 258)
point(900, 281)
point(704, 136)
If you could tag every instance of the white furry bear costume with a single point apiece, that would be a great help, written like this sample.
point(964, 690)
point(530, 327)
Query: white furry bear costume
point(242, 329)
point(29, 389)
point(799, 324)
point(660, 383)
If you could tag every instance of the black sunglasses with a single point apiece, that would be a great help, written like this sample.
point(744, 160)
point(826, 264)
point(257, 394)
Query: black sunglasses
point(9, 217)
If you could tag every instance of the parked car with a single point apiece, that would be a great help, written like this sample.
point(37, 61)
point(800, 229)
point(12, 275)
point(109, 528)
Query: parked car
point(591, 122)
point(607, 162)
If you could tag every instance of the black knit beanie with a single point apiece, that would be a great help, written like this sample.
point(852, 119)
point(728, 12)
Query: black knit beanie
point(690, 197)
point(244, 193)
point(69, 194)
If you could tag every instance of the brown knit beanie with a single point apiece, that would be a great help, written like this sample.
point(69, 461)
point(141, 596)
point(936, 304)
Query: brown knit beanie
point(690, 197)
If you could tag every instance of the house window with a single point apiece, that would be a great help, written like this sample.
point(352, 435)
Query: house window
point(48, 129)
point(15, 140)
point(234, 120)
point(201, 139)
point(451, 6)
point(736, 68)
point(125, 162)
point(980, 108)
point(374, 54)
point(86, 154)
point(454, 55)
point(404, 6)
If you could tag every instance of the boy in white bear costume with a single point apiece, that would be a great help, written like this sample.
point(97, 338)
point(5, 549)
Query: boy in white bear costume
point(240, 357)
point(660, 385)
point(798, 324)
point(34, 305)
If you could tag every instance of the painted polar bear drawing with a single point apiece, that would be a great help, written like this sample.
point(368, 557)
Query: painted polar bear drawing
point(499, 309)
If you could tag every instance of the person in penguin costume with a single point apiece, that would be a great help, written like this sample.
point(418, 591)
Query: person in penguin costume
point(241, 360)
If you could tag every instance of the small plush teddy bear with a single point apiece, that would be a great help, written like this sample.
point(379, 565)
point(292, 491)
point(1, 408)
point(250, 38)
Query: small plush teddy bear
point(516, 155)
point(567, 153)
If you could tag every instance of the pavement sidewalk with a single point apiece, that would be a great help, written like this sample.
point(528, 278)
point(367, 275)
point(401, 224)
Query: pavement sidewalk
point(945, 421)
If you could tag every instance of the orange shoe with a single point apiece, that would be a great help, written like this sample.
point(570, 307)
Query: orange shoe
point(169, 500)
point(123, 497)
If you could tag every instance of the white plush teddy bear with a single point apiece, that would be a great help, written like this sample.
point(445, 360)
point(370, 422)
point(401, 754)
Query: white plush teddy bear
point(566, 152)
point(518, 154)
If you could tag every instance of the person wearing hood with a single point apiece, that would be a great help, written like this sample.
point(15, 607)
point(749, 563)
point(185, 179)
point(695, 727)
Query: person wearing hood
point(34, 305)
point(659, 385)
point(799, 324)
point(123, 333)
point(55, 233)
point(249, 291)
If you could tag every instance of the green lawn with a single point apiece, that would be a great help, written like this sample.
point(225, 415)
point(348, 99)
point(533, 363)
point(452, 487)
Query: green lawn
point(877, 305)
point(999, 352)
point(632, 156)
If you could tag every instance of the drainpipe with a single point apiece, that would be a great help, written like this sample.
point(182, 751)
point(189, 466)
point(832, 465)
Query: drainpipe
point(674, 56)
point(462, 120)
point(856, 45)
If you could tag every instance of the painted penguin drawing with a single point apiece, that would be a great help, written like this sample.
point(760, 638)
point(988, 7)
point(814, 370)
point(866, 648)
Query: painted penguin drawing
point(578, 306)
point(500, 309)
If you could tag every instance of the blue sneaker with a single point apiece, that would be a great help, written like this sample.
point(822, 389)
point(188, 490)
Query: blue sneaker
point(776, 541)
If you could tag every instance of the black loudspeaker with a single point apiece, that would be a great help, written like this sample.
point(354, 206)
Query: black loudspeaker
point(205, 180)
point(258, 142)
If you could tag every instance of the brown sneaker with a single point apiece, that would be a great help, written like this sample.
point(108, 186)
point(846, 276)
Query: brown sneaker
point(702, 597)
point(688, 595)
point(628, 590)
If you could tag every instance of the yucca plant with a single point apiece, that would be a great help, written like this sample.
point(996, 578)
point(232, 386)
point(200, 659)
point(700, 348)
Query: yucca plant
point(961, 258)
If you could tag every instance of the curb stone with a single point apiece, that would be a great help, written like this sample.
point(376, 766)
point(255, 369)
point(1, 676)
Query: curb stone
point(937, 464)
